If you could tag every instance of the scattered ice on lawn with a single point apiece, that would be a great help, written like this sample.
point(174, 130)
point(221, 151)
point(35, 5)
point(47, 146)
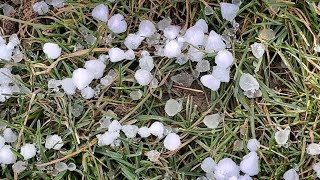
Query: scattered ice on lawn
point(154, 83)
point(101, 12)
point(2, 141)
point(245, 177)
point(172, 49)
point(72, 167)
point(172, 107)
point(61, 166)
point(87, 92)
point(203, 66)
point(144, 132)
point(250, 164)
point(56, 3)
point(146, 28)
point(313, 149)
point(157, 129)
point(210, 82)
point(153, 155)
point(195, 54)
point(229, 11)
point(316, 168)
point(202, 24)
point(117, 24)
point(183, 79)
point(212, 121)
point(291, 174)
point(133, 41)
point(172, 141)
point(117, 54)
point(40, 7)
point(53, 142)
point(214, 42)
point(96, 67)
point(208, 165)
point(136, 95)
point(257, 49)
point(221, 73)
point(76, 109)
point(248, 84)
point(267, 34)
point(208, 10)
point(143, 77)
point(194, 36)
point(9, 135)
point(226, 168)
point(146, 62)
point(82, 78)
point(52, 50)
point(115, 126)
point(19, 166)
point(28, 151)
point(253, 145)
point(130, 130)
point(224, 59)
point(282, 136)
point(182, 59)
point(68, 86)
point(7, 156)
point(171, 32)
point(7, 9)
point(162, 24)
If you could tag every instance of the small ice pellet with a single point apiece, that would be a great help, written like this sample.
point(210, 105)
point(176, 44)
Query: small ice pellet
point(313, 149)
point(171, 32)
point(229, 11)
point(248, 82)
point(143, 77)
point(28, 151)
point(52, 50)
point(203, 66)
point(136, 95)
point(212, 121)
point(202, 24)
point(72, 167)
point(146, 28)
point(210, 82)
point(117, 24)
point(61, 166)
point(316, 168)
point(107, 138)
point(96, 67)
point(87, 93)
point(115, 126)
point(172, 107)
point(214, 42)
point(208, 10)
point(133, 41)
point(154, 83)
point(253, 145)
point(195, 54)
point(157, 129)
point(146, 62)
point(153, 155)
point(40, 7)
point(172, 141)
point(164, 23)
point(172, 49)
point(208, 165)
point(54, 84)
point(19, 166)
point(144, 132)
point(250, 164)
point(282, 136)
point(53, 142)
point(182, 59)
point(257, 49)
point(7, 156)
point(194, 36)
point(226, 168)
point(291, 174)
point(76, 109)
point(101, 12)
point(221, 73)
point(82, 78)
point(130, 130)
point(68, 86)
point(224, 59)
point(7, 9)
point(9, 135)
point(267, 34)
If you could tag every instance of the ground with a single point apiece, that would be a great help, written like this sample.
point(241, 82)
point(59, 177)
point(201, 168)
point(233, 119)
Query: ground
point(288, 78)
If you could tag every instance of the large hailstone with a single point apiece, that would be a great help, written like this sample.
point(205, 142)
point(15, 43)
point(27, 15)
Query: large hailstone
point(143, 77)
point(194, 36)
point(68, 86)
point(229, 11)
point(224, 59)
point(52, 50)
point(214, 42)
point(226, 168)
point(172, 141)
point(257, 49)
point(146, 28)
point(144, 132)
point(210, 82)
point(82, 78)
point(7, 156)
point(291, 174)
point(172, 49)
point(117, 24)
point(28, 151)
point(133, 41)
point(96, 67)
point(117, 54)
point(172, 107)
point(282, 136)
point(40, 7)
point(202, 24)
point(130, 130)
point(9, 135)
point(157, 129)
point(53, 142)
point(171, 32)
point(253, 145)
point(212, 121)
point(146, 62)
point(208, 165)
point(221, 73)
point(101, 12)
point(249, 85)
point(313, 149)
point(250, 164)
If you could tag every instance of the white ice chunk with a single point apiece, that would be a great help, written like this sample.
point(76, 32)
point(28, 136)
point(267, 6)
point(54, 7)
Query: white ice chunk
point(316, 167)
point(144, 132)
point(146, 62)
point(87, 92)
point(5, 93)
point(136, 95)
point(291, 174)
point(72, 167)
point(54, 84)
point(7, 156)
point(212, 121)
point(117, 54)
point(146, 28)
point(203, 66)
point(229, 11)
point(208, 10)
point(96, 67)
point(5, 53)
point(171, 32)
point(101, 12)
point(282, 136)
point(52, 50)
point(195, 54)
point(61, 166)
point(28, 151)
point(40, 7)
point(107, 138)
point(143, 77)
point(202, 24)
point(172, 49)
point(172, 141)
point(253, 145)
point(221, 73)
point(53, 142)
point(153, 155)
point(224, 59)
point(130, 130)
point(9, 135)
point(214, 42)
point(82, 78)
point(7, 9)
point(117, 24)
point(182, 59)
point(208, 165)
point(250, 164)
point(194, 36)
point(165, 22)
point(68, 86)
point(210, 82)
point(313, 149)
point(154, 83)
point(19, 166)
point(157, 129)
point(56, 3)
point(133, 41)
point(226, 168)
point(172, 107)
point(248, 82)
point(115, 126)
point(257, 49)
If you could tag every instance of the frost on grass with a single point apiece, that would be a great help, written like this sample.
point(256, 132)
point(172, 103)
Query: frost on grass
point(313, 149)
point(282, 136)
point(101, 13)
point(212, 121)
point(172, 141)
point(172, 107)
point(291, 174)
point(53, 142)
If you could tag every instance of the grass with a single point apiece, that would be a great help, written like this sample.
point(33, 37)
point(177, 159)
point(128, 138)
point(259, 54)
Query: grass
point(288, 77)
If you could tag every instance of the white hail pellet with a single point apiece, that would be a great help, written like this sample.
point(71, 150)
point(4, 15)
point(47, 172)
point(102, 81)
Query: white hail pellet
point(172, 141)
point(101, 12)
point(52, 50)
